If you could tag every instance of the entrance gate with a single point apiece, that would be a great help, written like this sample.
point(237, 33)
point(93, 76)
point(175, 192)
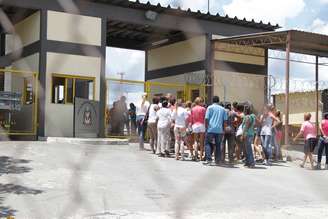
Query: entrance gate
point(121, 95)
point(18, 102)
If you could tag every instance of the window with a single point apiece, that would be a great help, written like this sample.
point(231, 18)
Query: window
point(65, 88)
point(28, 91)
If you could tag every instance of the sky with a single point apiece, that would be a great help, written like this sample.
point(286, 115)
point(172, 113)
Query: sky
point(307, 15)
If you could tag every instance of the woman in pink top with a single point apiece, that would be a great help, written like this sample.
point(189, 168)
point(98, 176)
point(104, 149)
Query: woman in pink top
point(308, 130)
point(197, 120)
point(323, 142)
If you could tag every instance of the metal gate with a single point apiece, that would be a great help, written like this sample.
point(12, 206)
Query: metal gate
point(18, 102)
point(121, 95)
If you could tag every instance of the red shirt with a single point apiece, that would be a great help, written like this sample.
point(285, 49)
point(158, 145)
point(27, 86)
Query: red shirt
point(197, 115)
point(324, 126)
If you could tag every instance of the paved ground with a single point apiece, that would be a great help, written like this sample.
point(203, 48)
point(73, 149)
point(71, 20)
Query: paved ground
point(40, 180)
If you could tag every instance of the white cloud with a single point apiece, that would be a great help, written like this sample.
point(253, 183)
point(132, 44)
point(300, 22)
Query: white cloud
point(324, 1)
point(130, 62)
point(319, 26)
point(277, 11)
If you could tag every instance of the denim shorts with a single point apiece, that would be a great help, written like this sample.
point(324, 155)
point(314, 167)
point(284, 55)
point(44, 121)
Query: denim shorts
point(310, 145)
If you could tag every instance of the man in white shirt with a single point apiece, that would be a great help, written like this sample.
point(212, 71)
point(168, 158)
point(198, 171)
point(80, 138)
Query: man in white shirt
point(142, 110)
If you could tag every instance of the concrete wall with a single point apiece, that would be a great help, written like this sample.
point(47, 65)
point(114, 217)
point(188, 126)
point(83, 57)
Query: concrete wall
point(183, 52)
point(299, 104)
point(240, 87)
point(74, 28)
point(27, 31)
point(235, 75)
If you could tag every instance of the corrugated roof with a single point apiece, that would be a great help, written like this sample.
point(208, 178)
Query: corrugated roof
point(301, 41)
point(189, 13)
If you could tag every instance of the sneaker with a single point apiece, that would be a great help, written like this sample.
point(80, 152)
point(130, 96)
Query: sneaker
point(302, 165)
point(161, 155)
point(206, 162)
point(318, 166)
point(267, 163)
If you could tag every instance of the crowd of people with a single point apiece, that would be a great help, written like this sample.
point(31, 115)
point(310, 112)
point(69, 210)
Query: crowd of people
point(229, 133)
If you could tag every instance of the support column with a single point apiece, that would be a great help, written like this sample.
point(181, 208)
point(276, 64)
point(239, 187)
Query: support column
point(317, 94)
point(103, 87)
point(42, 74)
point(2, 44)
point(209, 77)
point(288, 47)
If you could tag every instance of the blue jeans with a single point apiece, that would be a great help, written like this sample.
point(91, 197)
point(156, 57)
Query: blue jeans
point(249, 151)
point(209, 146)
point(142, 127)
point(266, 144)
point(322, 145)
point(275, 145)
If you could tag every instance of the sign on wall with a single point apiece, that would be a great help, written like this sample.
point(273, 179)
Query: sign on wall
point(86, 118)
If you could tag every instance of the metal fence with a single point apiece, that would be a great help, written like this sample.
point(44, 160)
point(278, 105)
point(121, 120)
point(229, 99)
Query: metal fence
point(124, 94)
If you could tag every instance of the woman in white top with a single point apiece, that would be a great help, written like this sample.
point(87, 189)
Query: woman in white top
point(163, 129)
point(180, 116)
point(266, 121)
point(152, 124)
point(142, 109)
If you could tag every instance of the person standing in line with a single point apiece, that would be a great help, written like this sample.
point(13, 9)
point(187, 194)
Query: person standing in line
point(277, 126)
point(308, 130)
point(229, 135)
point(189, 138)
point(215, 121)
point(198, 127)
point(248, 135)
point(152, 124)
point(142, 110)
point(172, 103)
point(133, 118)
point(240, 148)
point(323, 142)
point(179, 118)
point(266, 121)
point(163, 129)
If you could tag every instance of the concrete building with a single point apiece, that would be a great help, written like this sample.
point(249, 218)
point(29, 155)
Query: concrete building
point(66, 47)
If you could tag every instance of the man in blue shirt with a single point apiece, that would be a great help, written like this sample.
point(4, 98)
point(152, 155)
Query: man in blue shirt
point(215, 122)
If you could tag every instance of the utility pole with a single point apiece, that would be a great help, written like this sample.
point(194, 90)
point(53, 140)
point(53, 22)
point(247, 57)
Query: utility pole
point(208, 6)
point(121, 82)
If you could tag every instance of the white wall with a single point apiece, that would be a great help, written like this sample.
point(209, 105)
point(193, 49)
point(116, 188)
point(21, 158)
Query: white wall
point(27, 31)
point(74, 28)
point(183, 52)
point(240, 87)
point(299, 103)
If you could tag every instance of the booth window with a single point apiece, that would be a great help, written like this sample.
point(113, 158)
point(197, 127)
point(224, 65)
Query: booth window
point(28, 91)
point(65, 88)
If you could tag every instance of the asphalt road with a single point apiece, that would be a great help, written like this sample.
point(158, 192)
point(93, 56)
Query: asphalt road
point(43, 180)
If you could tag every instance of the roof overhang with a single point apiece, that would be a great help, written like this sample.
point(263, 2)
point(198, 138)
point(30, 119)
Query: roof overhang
point(300, 41)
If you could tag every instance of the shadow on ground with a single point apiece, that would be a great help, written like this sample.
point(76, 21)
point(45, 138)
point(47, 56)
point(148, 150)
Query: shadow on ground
point(9, 165)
